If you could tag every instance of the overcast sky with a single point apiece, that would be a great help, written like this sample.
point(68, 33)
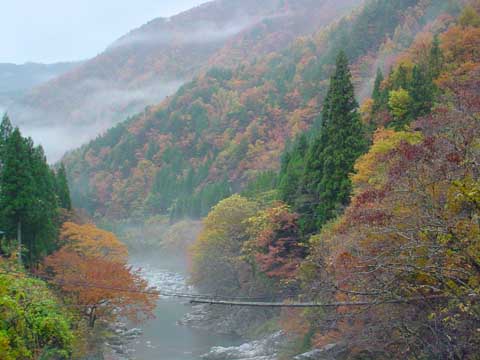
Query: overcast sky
point(62, 30)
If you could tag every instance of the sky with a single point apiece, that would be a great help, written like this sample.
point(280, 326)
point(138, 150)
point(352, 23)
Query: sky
point(49, 31)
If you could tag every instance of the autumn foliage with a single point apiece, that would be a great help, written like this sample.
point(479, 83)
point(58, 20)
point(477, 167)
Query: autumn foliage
point(409, 242)
point(92, 271)
point(221, 130)
point(274, 245)
point(399, 265)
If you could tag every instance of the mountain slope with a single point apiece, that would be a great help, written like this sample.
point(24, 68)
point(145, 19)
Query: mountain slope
point(151, 62)
point(15, 80)
point(227, 126)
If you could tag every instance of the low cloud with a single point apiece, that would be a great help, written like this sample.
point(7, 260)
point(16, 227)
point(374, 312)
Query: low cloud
point(103, 107)
point(199, 33)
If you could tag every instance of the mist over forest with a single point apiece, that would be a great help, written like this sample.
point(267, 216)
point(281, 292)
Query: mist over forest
point(274, 180)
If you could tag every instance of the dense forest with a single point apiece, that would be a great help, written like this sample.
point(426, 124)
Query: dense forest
point(151, 62)
point(340, 170)
point(228, 126)
point(378, 206)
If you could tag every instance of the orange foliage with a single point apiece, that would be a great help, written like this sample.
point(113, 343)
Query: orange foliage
point(91, 269)
point(461, 45)
point(88, 240)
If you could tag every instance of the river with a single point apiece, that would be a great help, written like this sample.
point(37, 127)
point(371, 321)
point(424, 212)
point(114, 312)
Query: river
point(162, 338)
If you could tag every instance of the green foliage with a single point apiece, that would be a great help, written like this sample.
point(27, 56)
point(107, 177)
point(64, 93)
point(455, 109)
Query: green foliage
point(63, 192)
point(227, 123)
point(400, 102)
point(262, 187)
point(30, 194)
point(379, 95)
point(377, 19)
point(410, 90)
point(436, 59)
point(422, 91)
point(32, 323)
point(198, 204)
point(292, 170)
point(330, 158)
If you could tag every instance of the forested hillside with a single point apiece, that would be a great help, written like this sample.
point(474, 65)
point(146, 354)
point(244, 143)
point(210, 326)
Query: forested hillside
point(229, 125)
point(377, 214)
point(153, 61)
point(59, 279)
point(319, 169)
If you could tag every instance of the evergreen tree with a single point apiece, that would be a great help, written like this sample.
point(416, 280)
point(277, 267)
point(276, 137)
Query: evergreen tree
point(377, 87)
point(400, 78)
point(41, 227)
point(421, 92)
point(28, 200)
point(331, 156)
point(17, 186)
point(63, 191)
point(379, 95)
point(293, 164)
point(6, 130)
point(436, 59)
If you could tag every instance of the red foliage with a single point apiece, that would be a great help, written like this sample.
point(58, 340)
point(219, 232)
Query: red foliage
point(279, 252)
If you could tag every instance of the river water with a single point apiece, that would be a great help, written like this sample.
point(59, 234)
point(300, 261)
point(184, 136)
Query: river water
point(162, 338)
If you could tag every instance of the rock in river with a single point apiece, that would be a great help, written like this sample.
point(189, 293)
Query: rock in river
point(264, 349)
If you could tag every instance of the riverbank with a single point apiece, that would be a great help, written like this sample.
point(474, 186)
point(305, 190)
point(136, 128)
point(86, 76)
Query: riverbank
point(164, 337)
point(181, 331)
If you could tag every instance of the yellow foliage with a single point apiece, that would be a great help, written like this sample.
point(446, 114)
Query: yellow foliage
point(88, 240)
point(369, 170)
point(217, 250)
point(399, 102)
point(469, 17)
point(366, 110)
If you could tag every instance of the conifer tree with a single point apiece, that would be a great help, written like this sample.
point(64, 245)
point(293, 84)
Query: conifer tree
point(41, 228)
point(6, 129)
point(378, 82)
point(400, 78)
point(331, 156)
point(435, 61)
point(28, 200)
point(17, 186)
point(293, 164)
point(63, 191)
point(379, 95)
point(421, 92)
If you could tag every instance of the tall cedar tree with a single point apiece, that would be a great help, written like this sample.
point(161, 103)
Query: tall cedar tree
point(331, 156)
point(42, 231)
point(29, 196)
point(63, 191)
point(17, 184)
